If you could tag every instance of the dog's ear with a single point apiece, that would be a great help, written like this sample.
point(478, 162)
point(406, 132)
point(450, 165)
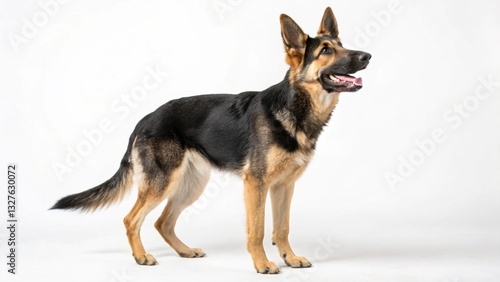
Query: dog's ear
point(328, 24)
point(294, 40)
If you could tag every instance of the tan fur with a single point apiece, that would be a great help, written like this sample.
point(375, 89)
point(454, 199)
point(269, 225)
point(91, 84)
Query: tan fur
point(255, 201)
point(118, 196)
point(288, 125)
point(185, 186)
point(133, 222)
point(328, 16)
point(281, 198)
point(195, 175)
point(294, 50)
point(282, 164)
point(282, 133)
point(286, 120)
point(324, 103)
point(275, 132)
point(283, 169)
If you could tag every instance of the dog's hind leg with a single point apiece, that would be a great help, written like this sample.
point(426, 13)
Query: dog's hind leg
point(158, 164)
point(133, 222)
point(189, 187)
point(281, 197)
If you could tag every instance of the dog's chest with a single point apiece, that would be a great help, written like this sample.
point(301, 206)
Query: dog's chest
point(283, 165)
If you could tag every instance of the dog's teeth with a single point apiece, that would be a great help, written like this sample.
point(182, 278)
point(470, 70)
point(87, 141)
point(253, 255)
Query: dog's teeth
point(332, 77)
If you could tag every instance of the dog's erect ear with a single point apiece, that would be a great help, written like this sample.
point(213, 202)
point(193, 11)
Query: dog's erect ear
point(293, 36)
point(328, 24)
point(294, 40)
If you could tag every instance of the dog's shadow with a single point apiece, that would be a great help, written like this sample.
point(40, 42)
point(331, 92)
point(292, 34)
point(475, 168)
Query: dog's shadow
point(403, 251)
point(344, 251)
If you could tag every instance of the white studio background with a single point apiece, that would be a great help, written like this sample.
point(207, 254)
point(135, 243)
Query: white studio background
point(405, 185)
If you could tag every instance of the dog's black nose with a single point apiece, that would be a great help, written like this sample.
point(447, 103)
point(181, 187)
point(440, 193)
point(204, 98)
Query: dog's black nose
point(364, 57)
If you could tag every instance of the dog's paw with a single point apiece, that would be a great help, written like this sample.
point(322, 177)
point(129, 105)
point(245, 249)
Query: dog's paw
point(267, 268)
point(297, 262)
point(192, 253)
point(146, 259)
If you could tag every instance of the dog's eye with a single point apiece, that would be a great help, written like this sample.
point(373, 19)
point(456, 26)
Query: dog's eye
point(326, 50)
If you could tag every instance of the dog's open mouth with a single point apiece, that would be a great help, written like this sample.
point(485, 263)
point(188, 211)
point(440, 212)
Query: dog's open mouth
point(342, 82)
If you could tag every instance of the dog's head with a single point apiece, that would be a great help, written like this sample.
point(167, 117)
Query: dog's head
point(321, 63)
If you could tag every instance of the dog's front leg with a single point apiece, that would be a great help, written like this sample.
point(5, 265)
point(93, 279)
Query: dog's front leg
point(255, 202)
point(281, 198)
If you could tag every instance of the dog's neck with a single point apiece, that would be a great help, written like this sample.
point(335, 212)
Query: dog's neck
point(298, 111)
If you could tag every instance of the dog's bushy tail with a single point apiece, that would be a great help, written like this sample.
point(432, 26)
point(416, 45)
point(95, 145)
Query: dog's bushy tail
point(105, 194)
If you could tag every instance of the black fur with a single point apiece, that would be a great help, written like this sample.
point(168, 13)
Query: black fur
point(266, 137)
point(103, 194)
point(218, 125)
point(229, 130)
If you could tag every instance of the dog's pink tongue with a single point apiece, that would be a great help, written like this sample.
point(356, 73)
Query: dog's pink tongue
point(352, 79)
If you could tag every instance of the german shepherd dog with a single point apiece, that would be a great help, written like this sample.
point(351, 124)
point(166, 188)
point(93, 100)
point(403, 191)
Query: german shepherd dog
point(267, 137)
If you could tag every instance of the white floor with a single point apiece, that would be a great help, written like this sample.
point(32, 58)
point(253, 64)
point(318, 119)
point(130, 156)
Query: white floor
point(344, 244)
point(384, 199)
